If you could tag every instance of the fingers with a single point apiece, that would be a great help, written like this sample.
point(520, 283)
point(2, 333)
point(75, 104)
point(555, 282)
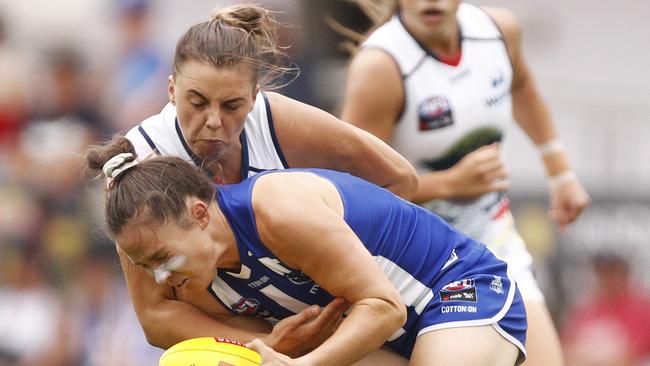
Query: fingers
point(568, 202)
point(500, 185)
point(333, 311)
point(307, 315)
point(328, 320)
point(265, 351)
point(257, 345)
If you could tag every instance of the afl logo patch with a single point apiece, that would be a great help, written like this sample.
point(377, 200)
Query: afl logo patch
point(435, 112)
point(250, 306)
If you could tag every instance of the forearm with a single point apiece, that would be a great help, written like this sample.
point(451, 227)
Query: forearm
point(395, 173)
point(174, 321)
point(368, 326)
point(434, 185)
point(532, 115)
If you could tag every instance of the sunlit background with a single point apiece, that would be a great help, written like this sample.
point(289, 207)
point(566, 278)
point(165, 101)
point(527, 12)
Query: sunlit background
point(75, 71)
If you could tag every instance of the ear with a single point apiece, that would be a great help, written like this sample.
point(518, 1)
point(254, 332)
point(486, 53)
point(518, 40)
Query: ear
point(171, 89)
point(199, 211)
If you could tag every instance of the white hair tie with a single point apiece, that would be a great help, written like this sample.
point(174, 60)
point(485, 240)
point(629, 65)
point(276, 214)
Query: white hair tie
point(117, 165)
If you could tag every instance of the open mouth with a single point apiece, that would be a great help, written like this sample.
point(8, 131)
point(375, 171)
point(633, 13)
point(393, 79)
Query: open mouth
point(432, 14)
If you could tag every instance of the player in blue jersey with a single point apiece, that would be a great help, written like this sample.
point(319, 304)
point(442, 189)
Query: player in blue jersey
point(223, 117)
point(281, 241)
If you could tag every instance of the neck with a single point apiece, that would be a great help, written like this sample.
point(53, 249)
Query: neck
point(223, 237)
point(227, 169)
point(446, 42)
point(443, 41)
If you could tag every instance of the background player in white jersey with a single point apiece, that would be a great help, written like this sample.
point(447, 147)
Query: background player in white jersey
point(282, 241)
point(218, 119)
point(438, 80)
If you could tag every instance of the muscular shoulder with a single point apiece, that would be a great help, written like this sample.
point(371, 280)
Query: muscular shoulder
point(375, 66)
point(282, 197)
point(374, 94)
point(508, 25)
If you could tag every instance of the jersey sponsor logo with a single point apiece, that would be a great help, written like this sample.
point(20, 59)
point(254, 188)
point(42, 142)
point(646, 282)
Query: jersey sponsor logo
point(495, 99)
point(497, 79)
point(435, 112)
point(250, 306)
point(458, 309)
point(463, 290)
point(258, 283)
point(496, 285)
point(296, 277)
point(463, 295)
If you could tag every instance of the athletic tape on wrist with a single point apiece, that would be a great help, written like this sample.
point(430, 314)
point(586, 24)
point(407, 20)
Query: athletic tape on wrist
point(561, 178)
point(550, 147)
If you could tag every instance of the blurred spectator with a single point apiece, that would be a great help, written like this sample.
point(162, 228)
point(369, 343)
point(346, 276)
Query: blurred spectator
point(101, 323)
point(63, 122)
point(29, 311)
point(13, 94)
point(611, 327)
point(138, 77)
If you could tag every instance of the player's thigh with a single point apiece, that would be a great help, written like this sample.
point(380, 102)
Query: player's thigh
point(465, 346)
point(542, 342)
point(383, 357)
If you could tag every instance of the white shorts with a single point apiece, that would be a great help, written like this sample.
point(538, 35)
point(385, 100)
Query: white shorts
point(488, 219)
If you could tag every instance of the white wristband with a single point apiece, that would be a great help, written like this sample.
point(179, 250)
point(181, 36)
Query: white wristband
point(562, 178)
point(549, 147)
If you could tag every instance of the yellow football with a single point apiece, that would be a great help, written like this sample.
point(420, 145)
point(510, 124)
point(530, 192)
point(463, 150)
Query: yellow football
point(210, 351)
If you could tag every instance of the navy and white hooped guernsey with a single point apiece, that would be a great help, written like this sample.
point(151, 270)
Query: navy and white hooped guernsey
point(161, 134)
point(445, 278)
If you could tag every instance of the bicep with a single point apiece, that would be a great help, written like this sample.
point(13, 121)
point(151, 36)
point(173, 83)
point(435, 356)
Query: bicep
point(311, 137)
point(374, 93)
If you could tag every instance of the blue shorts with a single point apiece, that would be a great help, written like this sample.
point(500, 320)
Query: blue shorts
point(475, 290)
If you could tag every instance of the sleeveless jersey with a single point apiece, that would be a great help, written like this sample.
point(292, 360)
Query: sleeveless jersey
point(413, 259)
point(161, 134)
point(450, 111)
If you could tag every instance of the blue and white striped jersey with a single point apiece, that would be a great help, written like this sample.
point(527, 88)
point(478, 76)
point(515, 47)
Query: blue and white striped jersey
point(412, 246)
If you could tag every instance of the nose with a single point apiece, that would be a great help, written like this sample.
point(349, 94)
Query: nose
point(161, 275)
point(213, 121)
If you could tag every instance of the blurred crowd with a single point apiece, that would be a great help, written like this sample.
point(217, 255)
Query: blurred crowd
point(63, 300)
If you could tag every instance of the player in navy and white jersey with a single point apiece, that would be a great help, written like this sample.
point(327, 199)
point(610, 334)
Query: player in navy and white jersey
point(260, 149)
point(282, 241)
point(440, 81)
point(223, 118)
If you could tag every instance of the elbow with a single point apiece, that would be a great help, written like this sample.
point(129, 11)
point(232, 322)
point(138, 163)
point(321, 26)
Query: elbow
point(152, 337)
point(407, 181)
point(396, 314)
point(151, 326)
point(401, 314)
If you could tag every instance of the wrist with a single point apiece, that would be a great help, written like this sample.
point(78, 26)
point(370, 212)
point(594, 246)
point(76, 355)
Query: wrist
point(562, 178)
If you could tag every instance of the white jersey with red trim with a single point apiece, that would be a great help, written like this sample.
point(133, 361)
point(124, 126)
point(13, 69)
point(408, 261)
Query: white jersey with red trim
point(450, 111)
point(161, 134)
